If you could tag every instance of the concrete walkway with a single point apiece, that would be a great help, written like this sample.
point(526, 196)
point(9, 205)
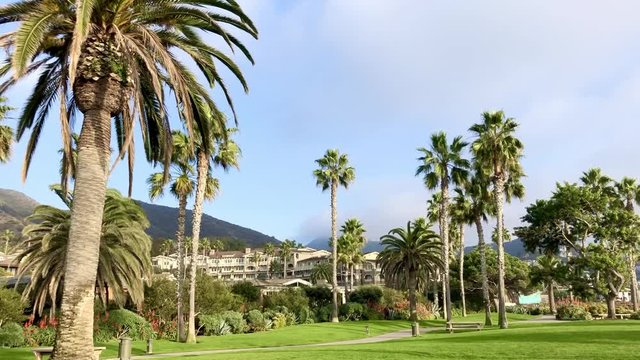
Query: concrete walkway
point(368, 340)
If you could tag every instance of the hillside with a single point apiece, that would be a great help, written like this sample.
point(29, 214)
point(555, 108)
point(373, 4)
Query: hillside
point(16, 206)
point(163, 225)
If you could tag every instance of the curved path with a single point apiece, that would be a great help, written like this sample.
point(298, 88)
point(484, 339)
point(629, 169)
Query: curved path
point(368, 340)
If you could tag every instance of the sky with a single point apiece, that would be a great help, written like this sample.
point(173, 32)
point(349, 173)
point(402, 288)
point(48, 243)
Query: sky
point(375, 78)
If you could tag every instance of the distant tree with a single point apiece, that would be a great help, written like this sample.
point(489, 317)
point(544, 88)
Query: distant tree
point(286, 250)
point(11, 306)
point(629, 192)
point(8, 236)
point(333, 171)
point(407, 253)
point(497, 152)
point(6, 133)
point(246, 290)
point(547, 272)
point(320, 272)
point(166, 247)
point(462, 214)
point(270, 252)
point(350, 246)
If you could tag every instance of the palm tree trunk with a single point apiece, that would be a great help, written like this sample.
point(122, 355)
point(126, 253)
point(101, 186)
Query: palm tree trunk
point(498, 194)
point(444, 215)
point(203, 171)
point(74, 338)
point(351, 275)
point(284, 268)
point(461, 265)
point(334, 241)
point(182, 213)
point(634, 280)
point(483, 270)
point(434, 286)
point(413, 282)
point(552, 299)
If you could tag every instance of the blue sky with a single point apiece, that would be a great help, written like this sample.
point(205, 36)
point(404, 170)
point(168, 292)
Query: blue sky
point(375, 78)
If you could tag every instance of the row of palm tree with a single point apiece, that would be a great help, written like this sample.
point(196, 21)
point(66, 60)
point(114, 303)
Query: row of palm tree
point(350, 245)
point(113, 61)
point(482, 187)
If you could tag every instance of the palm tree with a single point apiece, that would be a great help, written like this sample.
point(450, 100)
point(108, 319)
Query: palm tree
point(166, 247)
point(433, 215)
point(7, 236)
point(545, 271)
point(110, 59)
point(333, 171)
point(407, 253)
point(441, 165)
point(205, 245)
point(124, 263)
point(270, 252)
point(350, 245)
point(286, 249)
point(6, 133)
point(461, 216)
point(181, 183)
point(629, 192)
point(321, 271)
point(255, 259)
point(214, 144)
point(497, 153)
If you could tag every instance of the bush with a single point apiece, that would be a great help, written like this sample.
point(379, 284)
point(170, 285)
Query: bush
point(235, 320)
point(623, 309)
point(366, 295)
point(117, 321)
point(160, 298)
point(319, 296)
point(246, 290)
point(596, 308)
point(256, 321)
point(572, 311)
point(517, 309)
point(11, 306)
point(635, 316)
point(305, 316)
point(294, 299)
point(214, 325)
point(279, 320)
point(539, 310)
point(372, 314)
point(391, 296)
point(213, 296)
point(11, 335)
point(324, 313)
point(351, 311)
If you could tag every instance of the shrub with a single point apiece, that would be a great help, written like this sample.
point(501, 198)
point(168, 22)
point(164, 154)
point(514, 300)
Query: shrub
point(372, 314)
point(279, 320)
point(160, 298)
point(596, 308)
point(246, 290)
point(623, 309)
point(11, 306)
point(294, 299)
point(400, 311)
point(214, 296)
point(235, 320)
point(11, 335)
point(319, 296)
point(635, 316)
point(163, 328)
point(366, 295)
point(539, 310)
point(116, 322)
point(517, 309)
point(324, 313)
point(351, 311)
point(256, 321)
point(572, 311)
point(214, 325)
point(391, 296)
point(305, 316)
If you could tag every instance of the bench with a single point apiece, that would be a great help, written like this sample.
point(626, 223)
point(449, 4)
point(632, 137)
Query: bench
point(38, 352)
point(450, 326)
point(618, 316)
point(623, 316)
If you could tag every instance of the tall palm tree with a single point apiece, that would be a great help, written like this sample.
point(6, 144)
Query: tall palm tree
point(333, 171)
point(110, 59)
point(461, 216)
point(7, 236)
point(180, 180)
point(255, 259)
point(440, 165)
point(478, 190)
point(497, 152)
point(286, 249)
point(205, 246)
point(269, 252)
point(213, 145)
point(407, 253)
point(124, 263)
point(433, 216)
point(545, 271)
point(6, 133)
point(350, 245)
point(629, 192)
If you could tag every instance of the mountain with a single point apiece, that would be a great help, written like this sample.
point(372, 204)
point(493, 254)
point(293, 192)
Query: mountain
point(163, 225)
point(16, 206)
point(514, 247)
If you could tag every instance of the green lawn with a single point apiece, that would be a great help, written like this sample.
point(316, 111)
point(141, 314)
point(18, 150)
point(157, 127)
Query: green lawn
point(574, 340)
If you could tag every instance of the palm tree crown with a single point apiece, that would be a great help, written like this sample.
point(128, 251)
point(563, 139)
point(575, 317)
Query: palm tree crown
point(6, 133)
point(443, 162)
point(125, 249)
point(333, 167)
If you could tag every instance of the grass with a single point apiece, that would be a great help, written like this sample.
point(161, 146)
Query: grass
point(573, 340)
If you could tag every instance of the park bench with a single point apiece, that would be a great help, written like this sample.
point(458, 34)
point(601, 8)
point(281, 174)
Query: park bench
point(450, 326)
point(623, 316)
point(38, 352)
point(618, 316)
